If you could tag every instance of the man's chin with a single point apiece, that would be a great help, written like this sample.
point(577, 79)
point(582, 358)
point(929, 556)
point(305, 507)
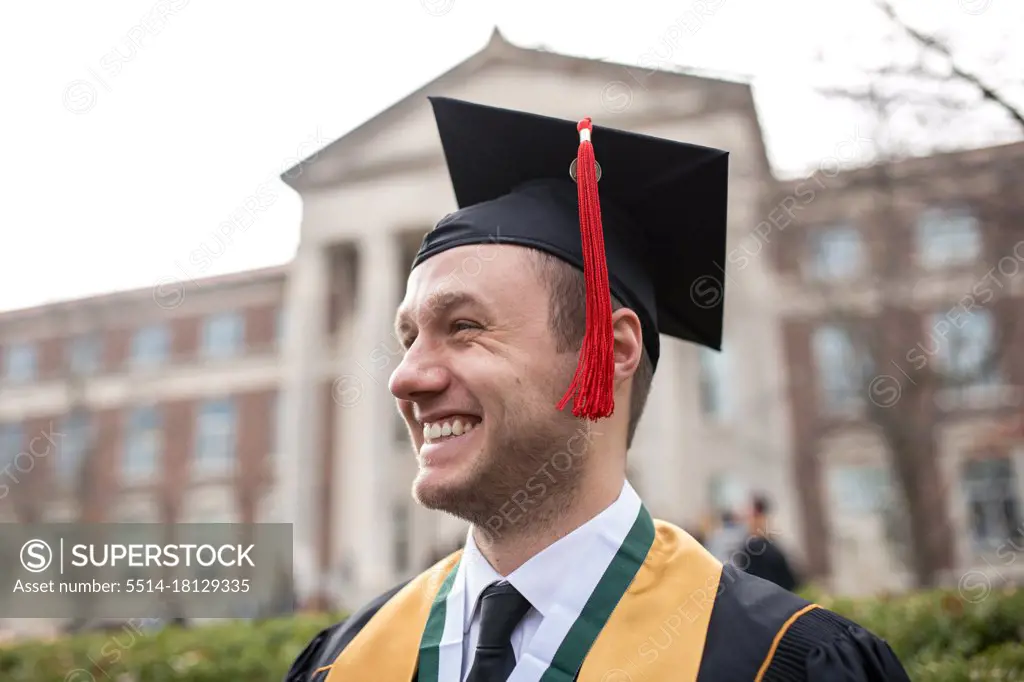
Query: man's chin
point(444, 492)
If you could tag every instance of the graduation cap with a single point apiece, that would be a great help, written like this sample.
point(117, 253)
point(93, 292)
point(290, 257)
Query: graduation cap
point(644, 219)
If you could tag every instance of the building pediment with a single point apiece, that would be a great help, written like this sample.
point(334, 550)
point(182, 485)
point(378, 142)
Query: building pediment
point(403, 138)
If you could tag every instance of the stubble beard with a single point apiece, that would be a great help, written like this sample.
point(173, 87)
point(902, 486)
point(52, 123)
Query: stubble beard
point(515, 487)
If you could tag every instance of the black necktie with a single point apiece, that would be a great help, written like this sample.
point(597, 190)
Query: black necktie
point(501, 609)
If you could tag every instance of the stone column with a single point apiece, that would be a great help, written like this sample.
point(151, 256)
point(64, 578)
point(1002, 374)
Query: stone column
point(660, 447)
point(423, 536)
point(297, 474)
point(365, 421)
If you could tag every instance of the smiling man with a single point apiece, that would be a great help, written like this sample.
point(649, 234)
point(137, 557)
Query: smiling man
point(522, 383)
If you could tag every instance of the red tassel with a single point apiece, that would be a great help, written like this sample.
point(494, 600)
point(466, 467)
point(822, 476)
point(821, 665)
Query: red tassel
point(593, 384)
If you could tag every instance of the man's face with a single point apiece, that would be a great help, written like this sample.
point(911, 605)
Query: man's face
point(480, 379)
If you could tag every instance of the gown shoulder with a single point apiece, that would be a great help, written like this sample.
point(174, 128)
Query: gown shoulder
point(332, 640)
point(822, 645)
point(761, 631)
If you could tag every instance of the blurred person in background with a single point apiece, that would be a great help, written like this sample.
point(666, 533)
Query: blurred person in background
point(727, 538)
point(760, 556)
point(522, 385)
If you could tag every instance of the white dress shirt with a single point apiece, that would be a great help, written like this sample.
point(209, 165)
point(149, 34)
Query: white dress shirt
point(541, 579)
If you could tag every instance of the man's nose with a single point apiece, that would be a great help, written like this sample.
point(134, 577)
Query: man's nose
point(421, 373)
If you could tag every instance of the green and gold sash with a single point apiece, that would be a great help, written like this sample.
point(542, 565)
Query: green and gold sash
point(646, 619)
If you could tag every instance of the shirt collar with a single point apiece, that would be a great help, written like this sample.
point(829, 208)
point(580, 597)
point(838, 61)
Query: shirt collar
point(541, 578)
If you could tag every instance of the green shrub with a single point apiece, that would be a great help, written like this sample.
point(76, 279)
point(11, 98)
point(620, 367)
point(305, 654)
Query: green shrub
point(938, 636)
point(1004, 662)
point(930, 625)
point(240, 650)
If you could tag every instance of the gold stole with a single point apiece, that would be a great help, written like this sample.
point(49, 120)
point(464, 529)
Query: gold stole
point(656, 631)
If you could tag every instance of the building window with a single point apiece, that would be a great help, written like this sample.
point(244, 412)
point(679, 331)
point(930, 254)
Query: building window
point(727, 493)
point(223, 335)
point(840, 373)
point(144, 443)
point(712, 382)
point(12, 439)
point(948, 237)
point(76, 432)
point(836, 253)
point(865, 492)
point(275, 419)
point(993, 508)
point(85, 353)
point(859, 490)
point(20, 362)
point(150, 346)
point(964, 347)
point(215, 444)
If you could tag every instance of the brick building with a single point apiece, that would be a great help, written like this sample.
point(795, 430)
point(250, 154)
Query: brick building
point(149, 405)
point(886, 273)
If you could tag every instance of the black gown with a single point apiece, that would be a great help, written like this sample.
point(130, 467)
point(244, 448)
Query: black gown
point(819, 646)
point(762, 558)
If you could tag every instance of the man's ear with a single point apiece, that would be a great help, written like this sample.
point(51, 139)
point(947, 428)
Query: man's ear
point(629, 343)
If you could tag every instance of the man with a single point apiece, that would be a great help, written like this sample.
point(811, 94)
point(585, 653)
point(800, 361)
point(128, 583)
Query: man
point(564, 574)
point(728, 538)
point(759, 555)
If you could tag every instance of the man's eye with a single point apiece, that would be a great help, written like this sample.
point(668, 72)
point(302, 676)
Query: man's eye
point(464, 325)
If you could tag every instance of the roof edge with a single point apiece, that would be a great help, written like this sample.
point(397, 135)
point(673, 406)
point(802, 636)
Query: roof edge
point(936, 161)
point(496, 45)
point(249, 277)
point(497, 48)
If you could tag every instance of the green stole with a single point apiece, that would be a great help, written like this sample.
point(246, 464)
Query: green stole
point(647, 619)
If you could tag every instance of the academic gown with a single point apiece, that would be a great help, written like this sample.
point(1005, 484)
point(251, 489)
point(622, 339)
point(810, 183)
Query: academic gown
point(761, 557)
point(756, 631)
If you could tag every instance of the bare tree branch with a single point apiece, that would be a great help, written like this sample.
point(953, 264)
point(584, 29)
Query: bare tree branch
point(988, 92)
point(911, 107)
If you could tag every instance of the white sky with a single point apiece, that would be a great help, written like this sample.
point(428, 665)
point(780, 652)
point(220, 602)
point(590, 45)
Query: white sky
point(113, 174)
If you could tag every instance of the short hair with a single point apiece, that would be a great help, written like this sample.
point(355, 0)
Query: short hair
point(567, 314)
point(762, 505)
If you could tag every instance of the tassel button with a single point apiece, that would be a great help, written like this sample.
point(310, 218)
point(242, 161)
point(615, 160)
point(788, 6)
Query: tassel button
point(572, 170)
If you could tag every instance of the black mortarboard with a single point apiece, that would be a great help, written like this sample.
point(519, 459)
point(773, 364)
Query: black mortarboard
point(657, 239)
